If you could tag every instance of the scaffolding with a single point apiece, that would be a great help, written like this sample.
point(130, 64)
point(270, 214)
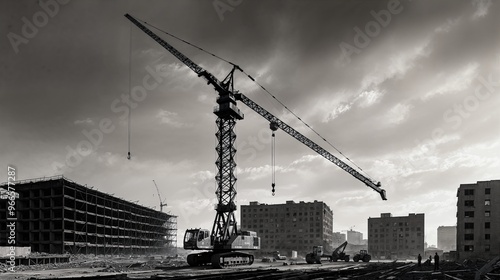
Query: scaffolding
point(56, 215)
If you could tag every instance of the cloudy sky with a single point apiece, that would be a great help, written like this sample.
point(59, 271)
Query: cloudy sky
point(408, 90)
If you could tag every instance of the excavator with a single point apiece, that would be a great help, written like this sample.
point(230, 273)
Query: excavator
point(225, 245)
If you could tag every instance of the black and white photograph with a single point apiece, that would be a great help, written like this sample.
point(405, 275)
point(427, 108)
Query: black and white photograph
point(249, 139)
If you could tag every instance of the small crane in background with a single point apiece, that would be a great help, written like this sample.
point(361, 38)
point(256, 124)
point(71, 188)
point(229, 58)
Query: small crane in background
point(162, 202)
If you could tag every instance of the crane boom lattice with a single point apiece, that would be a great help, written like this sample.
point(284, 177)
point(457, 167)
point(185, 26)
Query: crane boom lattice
point(309, 143)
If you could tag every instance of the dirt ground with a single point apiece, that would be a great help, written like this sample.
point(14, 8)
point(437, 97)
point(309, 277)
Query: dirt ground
point(87, 265)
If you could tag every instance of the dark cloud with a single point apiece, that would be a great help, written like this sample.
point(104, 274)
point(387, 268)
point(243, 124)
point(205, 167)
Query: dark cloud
point(381, 108)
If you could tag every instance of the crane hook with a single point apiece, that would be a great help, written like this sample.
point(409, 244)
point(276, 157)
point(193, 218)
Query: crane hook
point(273, 126)
point(128, 156)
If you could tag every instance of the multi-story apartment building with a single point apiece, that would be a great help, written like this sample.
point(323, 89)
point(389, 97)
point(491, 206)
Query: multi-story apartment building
point(396, 237)
point(447, 238)
point(290, 226)
point(478, 220)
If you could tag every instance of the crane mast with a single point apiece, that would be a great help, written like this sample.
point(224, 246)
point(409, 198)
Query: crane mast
point(224, 237)
point(224, 226)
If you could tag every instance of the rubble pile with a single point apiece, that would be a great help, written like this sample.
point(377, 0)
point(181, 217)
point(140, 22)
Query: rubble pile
point(467, 269)
point(101, 263)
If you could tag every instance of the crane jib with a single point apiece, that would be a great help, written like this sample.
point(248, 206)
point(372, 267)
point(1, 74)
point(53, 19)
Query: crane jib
point(258, 109)
point(309, 143)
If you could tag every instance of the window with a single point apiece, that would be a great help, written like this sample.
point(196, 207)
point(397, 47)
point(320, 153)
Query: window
point(469, 237)
point(469, 203)
point(469, 225)
point(487, 225)
point(469, 248)
point(486, 248)
point(487, 202)
point(469, 214)
point(487, 191)
point(469, 192)
point(487, 236)
point(487, 213)
point(201, 235)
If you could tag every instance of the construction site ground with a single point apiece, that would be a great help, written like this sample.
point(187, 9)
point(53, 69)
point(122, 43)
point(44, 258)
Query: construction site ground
point(127, 267)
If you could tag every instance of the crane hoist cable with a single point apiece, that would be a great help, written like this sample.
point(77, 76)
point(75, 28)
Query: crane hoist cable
point(129, 89)
point(264, 89)
point(273, 126)
point(273, 160)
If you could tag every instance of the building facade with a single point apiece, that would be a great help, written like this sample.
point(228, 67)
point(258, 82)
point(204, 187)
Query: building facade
point(354, 237)
point(56, 215)
point(478, 220)
point(289, 227)
point(338, 238)
point(396, 237)
point(447, 238)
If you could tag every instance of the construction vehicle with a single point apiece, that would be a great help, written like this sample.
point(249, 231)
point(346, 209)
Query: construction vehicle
point(339, 254)
point(278, 257)
point(225, 238)
point(362, 256)
point(317, 256)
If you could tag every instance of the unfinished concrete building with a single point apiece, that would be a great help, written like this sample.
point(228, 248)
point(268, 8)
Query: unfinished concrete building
point(289, 227)
point(396, 237)
point(56, 215)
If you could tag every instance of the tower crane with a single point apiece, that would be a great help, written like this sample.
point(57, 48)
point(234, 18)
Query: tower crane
point(224, 239)
point(162, 202)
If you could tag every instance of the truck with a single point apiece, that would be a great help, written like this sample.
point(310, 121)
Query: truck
point(339, 254)
point(317, 255)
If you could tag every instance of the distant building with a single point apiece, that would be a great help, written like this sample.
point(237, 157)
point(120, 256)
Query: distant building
point(289, 227)
point(447, 238)
point(478, 220)
point(431, 251)
point(354, 237)
point(338, 238)
point(396, 237)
